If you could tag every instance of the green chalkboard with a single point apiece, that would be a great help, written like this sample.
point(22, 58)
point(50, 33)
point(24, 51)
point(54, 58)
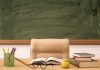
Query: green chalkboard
point(26, 19)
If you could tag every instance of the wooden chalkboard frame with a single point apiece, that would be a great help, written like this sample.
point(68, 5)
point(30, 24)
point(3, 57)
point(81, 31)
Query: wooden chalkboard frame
point(27, 42)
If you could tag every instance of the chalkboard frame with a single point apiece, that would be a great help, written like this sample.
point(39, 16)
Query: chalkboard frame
point(28, 42)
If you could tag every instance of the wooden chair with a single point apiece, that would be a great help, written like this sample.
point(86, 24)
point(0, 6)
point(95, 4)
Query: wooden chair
point(49, 48)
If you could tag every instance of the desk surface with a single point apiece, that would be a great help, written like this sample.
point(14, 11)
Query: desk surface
point(20, 66)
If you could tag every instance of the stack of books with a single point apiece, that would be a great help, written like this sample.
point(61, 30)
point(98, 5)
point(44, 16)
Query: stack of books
point(84, 60)
point(83, 56)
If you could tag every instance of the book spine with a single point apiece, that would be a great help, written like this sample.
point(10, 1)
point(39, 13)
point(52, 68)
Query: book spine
point(81, 57)
point(92, 55)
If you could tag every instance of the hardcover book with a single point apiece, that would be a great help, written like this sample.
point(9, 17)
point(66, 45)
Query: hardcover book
point(82, 58)
point(87, 64)
point(84, 55)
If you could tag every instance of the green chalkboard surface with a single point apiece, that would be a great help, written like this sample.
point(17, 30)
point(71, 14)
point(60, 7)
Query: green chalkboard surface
point(26, 19)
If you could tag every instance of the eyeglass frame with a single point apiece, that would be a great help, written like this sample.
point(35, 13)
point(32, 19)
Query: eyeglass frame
point(40, 63)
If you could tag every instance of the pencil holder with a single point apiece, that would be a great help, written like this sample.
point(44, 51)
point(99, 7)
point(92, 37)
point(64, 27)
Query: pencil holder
point(8, 59)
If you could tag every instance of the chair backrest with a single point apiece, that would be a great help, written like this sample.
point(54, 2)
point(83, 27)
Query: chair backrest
point(49, 48)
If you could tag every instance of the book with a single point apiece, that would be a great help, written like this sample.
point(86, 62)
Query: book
point(82, 58)
point(50, 60)
point(84, 55)
point(85, 64)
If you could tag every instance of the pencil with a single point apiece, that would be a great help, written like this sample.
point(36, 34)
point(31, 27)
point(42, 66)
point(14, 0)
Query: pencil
point(3, 50)
point(11, 53)
point(14, 50)
point(8, 50)
point(24, 63)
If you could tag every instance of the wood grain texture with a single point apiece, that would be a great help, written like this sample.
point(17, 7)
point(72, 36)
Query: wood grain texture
point(72, 42)
point(16, 42)
point(85, 42)
point(20, 66)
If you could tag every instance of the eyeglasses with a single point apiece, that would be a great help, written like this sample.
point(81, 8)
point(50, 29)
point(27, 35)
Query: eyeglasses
point(42, 64)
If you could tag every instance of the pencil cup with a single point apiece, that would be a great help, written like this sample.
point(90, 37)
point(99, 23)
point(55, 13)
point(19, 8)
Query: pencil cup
point(8, 59)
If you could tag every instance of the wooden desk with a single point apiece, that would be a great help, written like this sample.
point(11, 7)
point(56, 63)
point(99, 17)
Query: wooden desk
point(20, 66)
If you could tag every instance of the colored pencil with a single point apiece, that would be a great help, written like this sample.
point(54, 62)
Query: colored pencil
point(3, 50)
point(8, 50)
point(14, 50)
point(11, 53)
point(24, 63)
